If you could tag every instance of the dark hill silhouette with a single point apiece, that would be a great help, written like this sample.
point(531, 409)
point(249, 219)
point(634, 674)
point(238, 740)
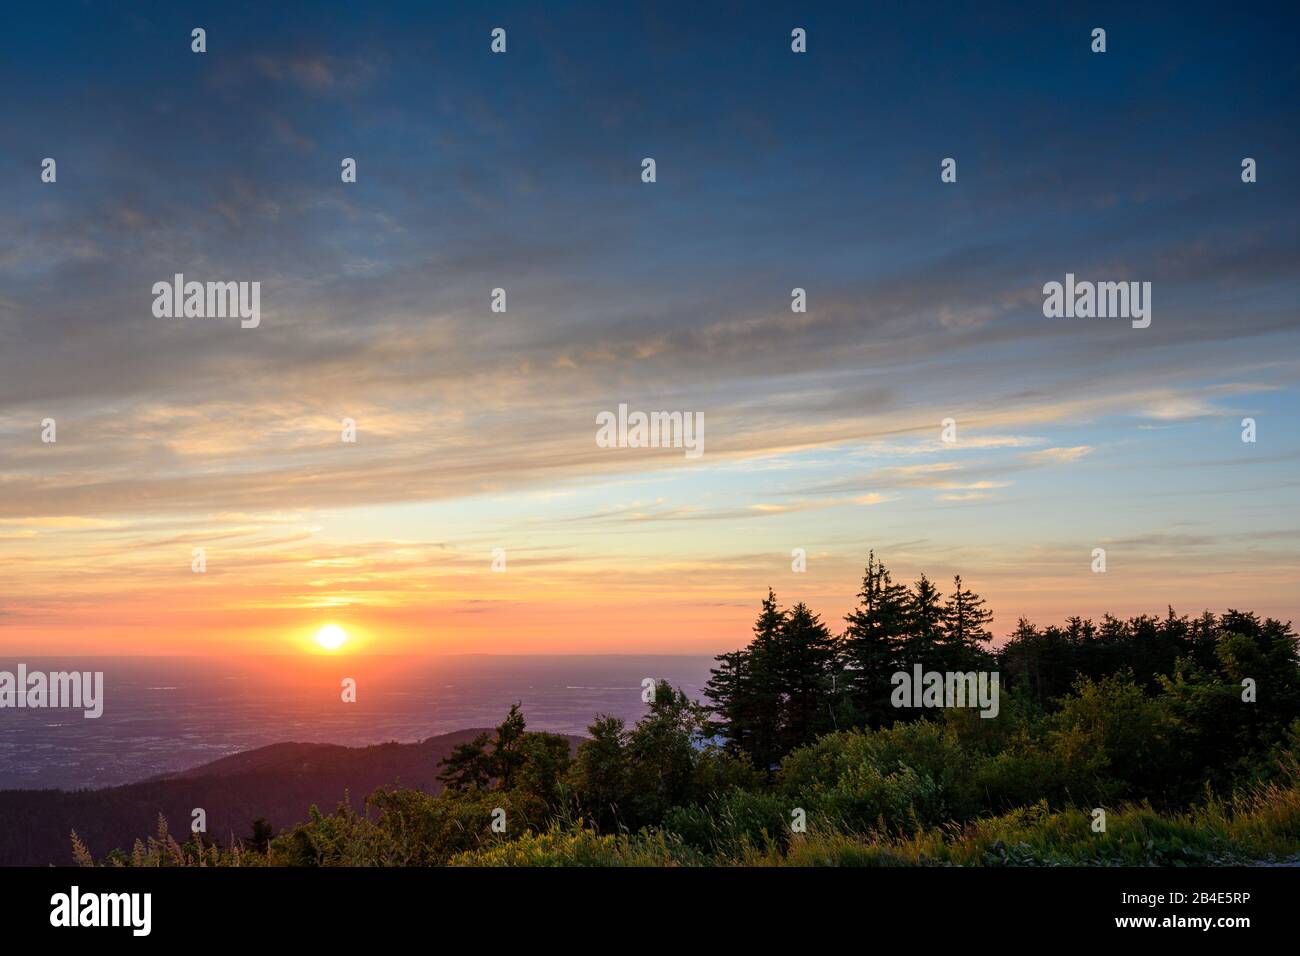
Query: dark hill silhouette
point(278, 782)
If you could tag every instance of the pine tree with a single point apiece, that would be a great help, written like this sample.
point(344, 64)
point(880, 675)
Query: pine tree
point(760, 694)
point(507, 748)
point(966, 632)
point(725, 691)
point(805, 666)
point(746, 691)
point(925, 627)
point(872, 642)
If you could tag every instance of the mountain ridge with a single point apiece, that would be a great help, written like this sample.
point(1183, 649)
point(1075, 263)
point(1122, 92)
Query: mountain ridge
point(279, 782)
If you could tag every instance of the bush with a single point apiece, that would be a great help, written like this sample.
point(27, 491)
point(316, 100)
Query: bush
point(733, 823)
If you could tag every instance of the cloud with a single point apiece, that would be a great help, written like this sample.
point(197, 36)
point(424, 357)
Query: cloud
point(1056, 456)
point(1178, 409)
point(318, 73)
point(375, 299)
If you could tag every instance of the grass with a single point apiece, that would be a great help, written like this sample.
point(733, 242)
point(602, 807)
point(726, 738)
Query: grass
point(1259, 823)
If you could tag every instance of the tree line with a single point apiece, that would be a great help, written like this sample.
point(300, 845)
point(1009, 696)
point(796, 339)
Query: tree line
point(797, 680)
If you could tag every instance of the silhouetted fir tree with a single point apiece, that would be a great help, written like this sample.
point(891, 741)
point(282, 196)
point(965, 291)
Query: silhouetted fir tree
point(760, 702)
point(872, 642)
point(1036, 662)
point(925, 627)
point(966, 635)
point(1202, 637)
point(1080, 631)
point(806, 664)
point(725, 692)
point(746, 692)
point(507, 748)
point(1112, 630)
point(1147, 655)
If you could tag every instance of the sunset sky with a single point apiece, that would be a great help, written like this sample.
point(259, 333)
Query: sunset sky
point(476, 430)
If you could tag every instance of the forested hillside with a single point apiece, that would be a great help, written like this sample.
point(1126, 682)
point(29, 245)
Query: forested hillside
point(276, 784)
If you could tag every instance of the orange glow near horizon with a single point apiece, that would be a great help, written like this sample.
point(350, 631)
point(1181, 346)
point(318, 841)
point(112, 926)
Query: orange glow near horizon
point(598, 569)
point(686, 608)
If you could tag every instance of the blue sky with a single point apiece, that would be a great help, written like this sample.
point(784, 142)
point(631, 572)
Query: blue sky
point(522, 171)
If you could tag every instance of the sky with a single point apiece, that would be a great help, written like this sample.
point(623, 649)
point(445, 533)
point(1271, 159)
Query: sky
point(523, 171)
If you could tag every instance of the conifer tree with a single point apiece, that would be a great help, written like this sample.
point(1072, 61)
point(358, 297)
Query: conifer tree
point(805, 666)
point(745, 691)
point(507, 748)
point(925, 626)
point(872, 642)
point(760, 700)
point(725, 691)
point(469, 765)
point(966, 633)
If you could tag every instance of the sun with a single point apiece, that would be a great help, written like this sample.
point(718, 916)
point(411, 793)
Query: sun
point(331, 637)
